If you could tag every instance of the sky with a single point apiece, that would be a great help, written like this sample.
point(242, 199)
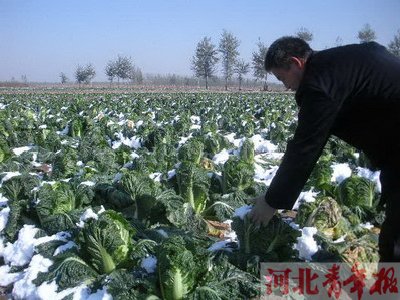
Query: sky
point(42, 38)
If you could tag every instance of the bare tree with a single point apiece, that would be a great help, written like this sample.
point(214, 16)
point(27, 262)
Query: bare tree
point(85, 74)
point(228, 46)
point(63, 78)
point(366, 34)
point(111, 71)
point(394, 45)
point(258, 64)
point(24, 78)
point(241, 68)
point(338, 41)
point(205, 59)
point(305, 34)
point(123, 66)
point(138, 75)
point(90, 73)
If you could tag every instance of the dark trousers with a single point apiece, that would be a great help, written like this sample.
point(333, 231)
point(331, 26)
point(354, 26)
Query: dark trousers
point(389, 238)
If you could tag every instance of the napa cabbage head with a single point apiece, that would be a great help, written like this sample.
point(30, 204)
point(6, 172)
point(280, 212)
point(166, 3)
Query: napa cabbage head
point(107, 241)
point(357, 191)
point(177, 268)
point(192, 151)
point(247, 151)
point(237, 175)
point(61, 204)
point(193, 185)
point(273, 242)
point(5, 151)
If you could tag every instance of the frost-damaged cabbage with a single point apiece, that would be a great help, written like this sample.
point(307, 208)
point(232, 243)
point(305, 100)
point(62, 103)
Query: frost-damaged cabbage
point(273, 242)
point(325, 214)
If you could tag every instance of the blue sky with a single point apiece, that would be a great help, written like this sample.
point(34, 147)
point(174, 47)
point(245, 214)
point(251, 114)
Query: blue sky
point(41, 38)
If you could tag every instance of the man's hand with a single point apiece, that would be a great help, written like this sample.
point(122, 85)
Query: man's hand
point(261, 213)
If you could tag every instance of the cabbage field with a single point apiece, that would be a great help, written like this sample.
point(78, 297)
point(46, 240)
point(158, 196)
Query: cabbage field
point(145, 196)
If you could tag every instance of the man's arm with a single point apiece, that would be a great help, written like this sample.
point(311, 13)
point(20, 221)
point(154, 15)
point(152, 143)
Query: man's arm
point(316, 117)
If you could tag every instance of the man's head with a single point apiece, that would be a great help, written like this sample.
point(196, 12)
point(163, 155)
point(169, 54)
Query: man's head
point(286, 59)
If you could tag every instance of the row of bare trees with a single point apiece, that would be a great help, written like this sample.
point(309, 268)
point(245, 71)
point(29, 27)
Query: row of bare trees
point(122, 68)
point(207, 55)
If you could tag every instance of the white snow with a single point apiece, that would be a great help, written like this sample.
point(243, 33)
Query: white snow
point(24, 288)
point(195, 119)
point(18, 151)
point(308, 196)
point(195, 127)
point(133, 142)
point(183, 140)
point(220, 245)
point(371, 175)
point(149, 264)
point(134, 155)
point(21, 251)
point(117, 177)
point(88, 183)
point(162, 232)
point(221, 157)
point(62, 248)
point(64, 131)
point(81, 292)
point(171, 174)
point(49, 291)
point(3, 200)
point(340, 172)
point(6, 277)
point(306, 245)
point(139, 123)
point(230, 235)
point(264, 175)
point(87, 214)
point(231, 137)
point(8, 176)
point(242, 211)
point(4, 213)
point(367, 225)
point(262, 145)
point(156, 176)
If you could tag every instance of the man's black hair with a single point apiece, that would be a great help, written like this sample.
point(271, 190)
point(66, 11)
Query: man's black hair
point(280, 51)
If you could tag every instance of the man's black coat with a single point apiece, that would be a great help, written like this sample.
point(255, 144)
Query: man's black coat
point(352, 92)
